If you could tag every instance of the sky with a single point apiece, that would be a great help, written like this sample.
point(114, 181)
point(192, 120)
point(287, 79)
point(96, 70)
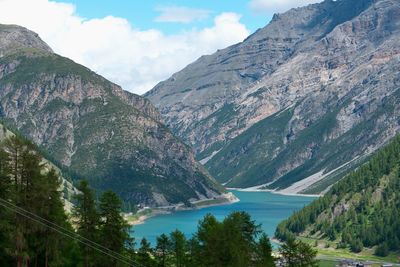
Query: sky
point(138, 43)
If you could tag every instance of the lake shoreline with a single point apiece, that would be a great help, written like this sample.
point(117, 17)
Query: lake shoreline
point(144, 214)
point(229, 198)
point(255, 189)
point(265, 208)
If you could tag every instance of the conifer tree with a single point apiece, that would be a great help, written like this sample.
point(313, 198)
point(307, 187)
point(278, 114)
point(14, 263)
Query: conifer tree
point(298, 254)
point(179, 248)
point(144, 254)
point(162, 250)
point(87, 220)
point(264, 256)
point(5, 214)
point(113, 232)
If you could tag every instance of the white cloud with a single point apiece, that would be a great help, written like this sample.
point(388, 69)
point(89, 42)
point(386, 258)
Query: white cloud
point(135, 59)
point(278, 6)
point(181, 14)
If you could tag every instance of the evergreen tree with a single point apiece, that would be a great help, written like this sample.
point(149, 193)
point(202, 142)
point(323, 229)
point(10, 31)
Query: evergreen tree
point(298, 254)
point(87, 220)
point(231, 242)
point(53, 211)
point(382, 250)
point(179, 248)
point(113, 232)
point(27, 178)
point(5, 214)
point(356, 245)
point(144, 254)
point(264, 256)
point(162, 250)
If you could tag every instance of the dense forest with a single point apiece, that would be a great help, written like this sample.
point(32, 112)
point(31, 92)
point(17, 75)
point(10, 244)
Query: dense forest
point(362, 210)
point(35, 229)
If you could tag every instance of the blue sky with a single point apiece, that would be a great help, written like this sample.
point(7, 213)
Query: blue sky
point(142, 14)
point(137, 44)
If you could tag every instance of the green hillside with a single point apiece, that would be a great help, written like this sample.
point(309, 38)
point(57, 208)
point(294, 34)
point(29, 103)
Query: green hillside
point(360, 211)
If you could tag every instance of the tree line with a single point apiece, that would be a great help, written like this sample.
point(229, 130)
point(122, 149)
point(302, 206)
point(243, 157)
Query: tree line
point(35, 229)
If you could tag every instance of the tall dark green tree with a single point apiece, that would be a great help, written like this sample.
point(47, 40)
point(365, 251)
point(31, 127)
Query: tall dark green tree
point(232, 242)
point(5, 214)
point(264, 256)
point(162, 250)
point(27, 177)
point(55, 247)
point(87, 220)
point(298, 254)
point(208, 237)
point(113, 232)
point(144, 254)
point(179, 248)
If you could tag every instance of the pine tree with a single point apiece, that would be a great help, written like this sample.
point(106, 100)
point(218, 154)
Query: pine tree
point(5, 214)
point(179, 248)
point(28, 177)
point(264, 252)
point(87, 220)
point(53, 211)
point(144, 254)
point(298, 254)
point(113, 232)
point(162, 250)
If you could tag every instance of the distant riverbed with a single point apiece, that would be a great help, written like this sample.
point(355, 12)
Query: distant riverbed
point(265, 208)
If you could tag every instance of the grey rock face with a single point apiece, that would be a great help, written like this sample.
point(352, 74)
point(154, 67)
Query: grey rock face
point(13, 37)
point(322, 78)
point(96, 130)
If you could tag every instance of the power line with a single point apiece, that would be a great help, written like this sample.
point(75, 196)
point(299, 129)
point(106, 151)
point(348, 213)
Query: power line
point(67, 233)
point(62, 228)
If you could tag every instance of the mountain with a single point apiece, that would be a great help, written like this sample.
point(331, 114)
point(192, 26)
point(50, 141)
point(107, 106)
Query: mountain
point(297, 103)
point(91, 126)
point(363, 209)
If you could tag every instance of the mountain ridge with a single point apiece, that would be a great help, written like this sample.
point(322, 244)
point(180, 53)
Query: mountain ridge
point(322, 64)
point(113, 138)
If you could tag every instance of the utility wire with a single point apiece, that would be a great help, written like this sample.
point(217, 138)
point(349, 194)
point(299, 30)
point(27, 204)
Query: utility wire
point(67, 233)
point(64, 229)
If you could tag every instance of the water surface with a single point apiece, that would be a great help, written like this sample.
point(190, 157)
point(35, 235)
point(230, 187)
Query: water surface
point(265, 208)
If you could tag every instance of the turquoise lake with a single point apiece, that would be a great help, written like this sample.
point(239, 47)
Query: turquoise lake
point(265, 208)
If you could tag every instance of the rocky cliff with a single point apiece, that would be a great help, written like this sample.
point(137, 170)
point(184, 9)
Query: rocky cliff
point(113, 138)
point(307, 97)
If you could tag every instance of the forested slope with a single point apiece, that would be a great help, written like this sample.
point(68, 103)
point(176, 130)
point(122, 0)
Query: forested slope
point(362, 210)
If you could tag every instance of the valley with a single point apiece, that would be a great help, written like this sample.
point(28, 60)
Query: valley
point(282, 149)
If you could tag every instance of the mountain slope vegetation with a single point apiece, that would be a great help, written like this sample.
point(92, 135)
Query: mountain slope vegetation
point(362, 210)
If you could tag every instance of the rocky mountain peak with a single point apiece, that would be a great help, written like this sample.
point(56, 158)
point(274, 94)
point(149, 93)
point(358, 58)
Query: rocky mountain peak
point(13, 37)
point(94, 129)
point(322, 72)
